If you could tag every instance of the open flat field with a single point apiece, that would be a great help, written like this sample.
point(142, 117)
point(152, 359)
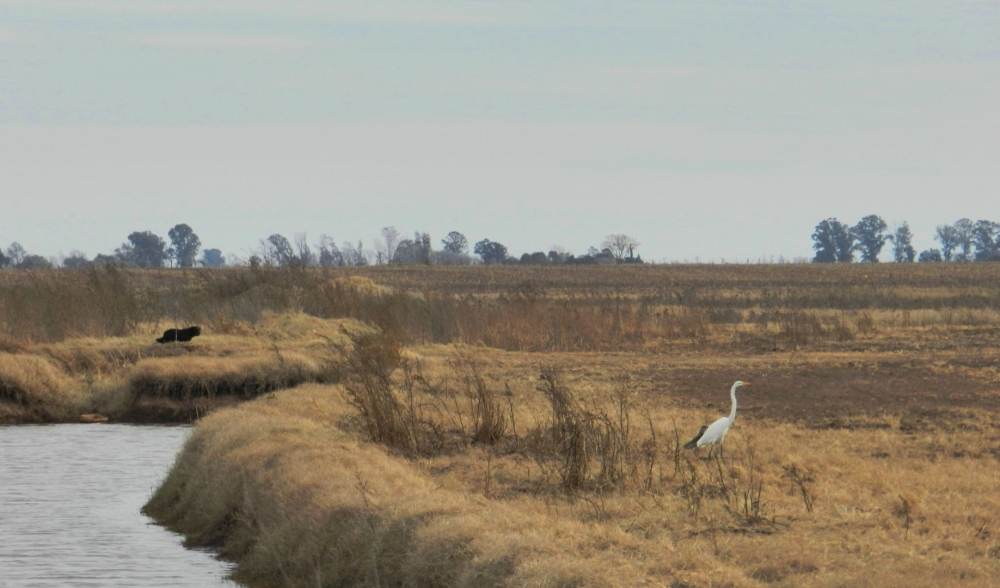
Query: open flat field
point(511, 426)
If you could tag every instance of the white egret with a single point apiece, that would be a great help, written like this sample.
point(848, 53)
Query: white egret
point(715, 433)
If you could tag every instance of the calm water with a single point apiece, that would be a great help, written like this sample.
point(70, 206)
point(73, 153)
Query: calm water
point(69, 509)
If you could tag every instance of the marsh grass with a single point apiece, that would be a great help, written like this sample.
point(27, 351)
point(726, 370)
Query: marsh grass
point(56, 382)
point(291, 491)
point(242, 377)
point(520, 426)
point(749, 308)
point(32, 389)
point(330, 511)
point(490, 421)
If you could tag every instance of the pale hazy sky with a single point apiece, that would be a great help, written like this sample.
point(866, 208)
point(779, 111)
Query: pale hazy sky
point(705, 129)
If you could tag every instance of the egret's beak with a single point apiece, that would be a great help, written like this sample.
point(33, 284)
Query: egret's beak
point(746, 383)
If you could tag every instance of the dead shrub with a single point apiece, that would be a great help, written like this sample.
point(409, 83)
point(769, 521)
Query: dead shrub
point(865, 323)
point(799, 327)
point(596, 449)
point(799, 478)
point(842, 330)
point(489, 420)
point(688, 323)
point(692, 488)
point(619, 453)
point(368, 383)
point(569, 431)
point(741, 485)
point(398, 406)
point(730, 478)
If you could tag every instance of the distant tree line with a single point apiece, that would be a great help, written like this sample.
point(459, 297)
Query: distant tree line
point(836, 242)
point(392, 248)
point(16, 256)
point(145, 249)
point(141, 249)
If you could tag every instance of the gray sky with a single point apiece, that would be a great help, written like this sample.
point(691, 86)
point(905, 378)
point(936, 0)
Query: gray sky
point(706, 130)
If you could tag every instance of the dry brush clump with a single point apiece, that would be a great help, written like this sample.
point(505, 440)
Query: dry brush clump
point(730, 477)
point(490, 417)
point(596, 448)
point(401, 408)
point(388, 409)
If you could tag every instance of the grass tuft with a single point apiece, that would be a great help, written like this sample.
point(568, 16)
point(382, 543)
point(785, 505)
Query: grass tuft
point(32, 389)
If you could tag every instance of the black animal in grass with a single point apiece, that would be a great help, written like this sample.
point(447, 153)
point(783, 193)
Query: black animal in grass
point(180, 335)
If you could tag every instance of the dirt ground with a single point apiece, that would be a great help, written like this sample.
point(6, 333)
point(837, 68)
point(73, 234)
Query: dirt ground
point(922, 388)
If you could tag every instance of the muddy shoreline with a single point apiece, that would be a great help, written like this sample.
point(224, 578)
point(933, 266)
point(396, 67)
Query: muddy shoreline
point(143, 411)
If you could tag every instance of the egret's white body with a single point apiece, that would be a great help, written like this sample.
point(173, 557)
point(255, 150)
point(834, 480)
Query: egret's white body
point(715, 433)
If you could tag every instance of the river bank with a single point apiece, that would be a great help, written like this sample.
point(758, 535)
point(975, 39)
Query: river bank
point(136, 380)
point(293, 489)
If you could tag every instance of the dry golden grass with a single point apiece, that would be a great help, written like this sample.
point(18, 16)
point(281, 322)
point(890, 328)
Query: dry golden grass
point(732, 308)
point(243, 377)
point(304, 503)
point(32, 389)
point(866, 453)
point(881, 498)
point(291, 491)
point(134, 378)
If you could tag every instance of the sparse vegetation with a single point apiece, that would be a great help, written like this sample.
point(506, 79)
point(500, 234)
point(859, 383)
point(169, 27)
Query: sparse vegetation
point(735, 309)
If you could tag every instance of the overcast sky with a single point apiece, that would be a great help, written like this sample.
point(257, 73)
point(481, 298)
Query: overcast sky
point(706, 130)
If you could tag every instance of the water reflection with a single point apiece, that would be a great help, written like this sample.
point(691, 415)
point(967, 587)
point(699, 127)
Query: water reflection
point(69, 509)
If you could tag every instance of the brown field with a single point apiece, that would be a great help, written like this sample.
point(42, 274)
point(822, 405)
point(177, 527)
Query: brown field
point(507, 426)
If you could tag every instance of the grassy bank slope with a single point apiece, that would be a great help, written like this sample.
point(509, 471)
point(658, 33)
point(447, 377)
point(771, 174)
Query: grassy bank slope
point(298, 501)
point(291, 487)
point(135, 379)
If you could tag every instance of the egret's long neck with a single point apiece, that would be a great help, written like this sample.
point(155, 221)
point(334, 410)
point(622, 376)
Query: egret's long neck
point(732, 394)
